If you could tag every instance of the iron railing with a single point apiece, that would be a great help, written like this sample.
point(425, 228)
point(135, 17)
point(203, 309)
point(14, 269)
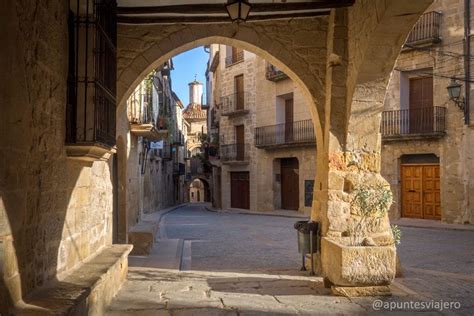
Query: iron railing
point(92, 72)
point(234, 103)
point(234, 152)
point(427, 28)
point(141, 108)
point(299, 132)
point(234, 58)
point(272, 73)
point(429, 120)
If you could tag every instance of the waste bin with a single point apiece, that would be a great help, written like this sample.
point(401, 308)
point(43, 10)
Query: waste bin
point(308, 240)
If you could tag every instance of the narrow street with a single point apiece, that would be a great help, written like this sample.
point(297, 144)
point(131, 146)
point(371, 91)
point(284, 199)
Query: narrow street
point(209, 263)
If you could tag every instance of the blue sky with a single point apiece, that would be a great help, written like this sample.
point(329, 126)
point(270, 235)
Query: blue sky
point(186, 65)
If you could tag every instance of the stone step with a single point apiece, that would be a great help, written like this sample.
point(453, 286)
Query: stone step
point(165, 254)
point(142, 237)
point(87, 290)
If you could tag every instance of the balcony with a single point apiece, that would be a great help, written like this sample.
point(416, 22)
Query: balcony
point(143, 118)
point(234, 58)
point(299, 133)
point(426, 31)
point(235, 104)
point(179, 169)
point(274, 74)
point(234, 153)
point(412, 124)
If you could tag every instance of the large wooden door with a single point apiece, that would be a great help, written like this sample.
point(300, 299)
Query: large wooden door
point(421, 191)
point(421, 105)
point(239, 92)
point(289, 184)
point(239, 190)
point(240, 142)
point(289, 120)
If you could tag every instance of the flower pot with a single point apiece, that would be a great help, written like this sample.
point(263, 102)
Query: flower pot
point(351, 266)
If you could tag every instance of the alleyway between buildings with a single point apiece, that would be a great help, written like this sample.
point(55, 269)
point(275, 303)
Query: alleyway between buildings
point(211, 263)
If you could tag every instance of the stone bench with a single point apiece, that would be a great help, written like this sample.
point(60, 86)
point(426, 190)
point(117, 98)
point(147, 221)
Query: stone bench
point(142, 237)
point(87, 290)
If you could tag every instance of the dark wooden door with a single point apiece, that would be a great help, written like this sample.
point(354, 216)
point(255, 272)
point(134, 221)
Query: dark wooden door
point(421, 191)
point(239, 92)
point(289, 120)
point(421, 105)
point(290, 184)
point(240, 142)
point(239, 190)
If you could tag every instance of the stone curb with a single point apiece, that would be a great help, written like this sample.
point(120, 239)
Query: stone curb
point(210, 209)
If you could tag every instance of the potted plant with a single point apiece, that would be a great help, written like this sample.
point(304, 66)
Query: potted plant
point(356, 262)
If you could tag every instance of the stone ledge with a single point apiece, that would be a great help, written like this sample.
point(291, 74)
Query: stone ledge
point(87, 290)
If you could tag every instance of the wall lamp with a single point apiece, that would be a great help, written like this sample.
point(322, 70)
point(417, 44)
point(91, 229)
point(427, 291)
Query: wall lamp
point(454, 92)
point(238, 10)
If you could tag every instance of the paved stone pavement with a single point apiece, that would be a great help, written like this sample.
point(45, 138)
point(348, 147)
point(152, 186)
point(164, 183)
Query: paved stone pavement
point(208, 263)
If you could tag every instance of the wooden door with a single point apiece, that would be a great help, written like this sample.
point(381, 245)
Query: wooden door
point(240, 142)
point(431, 192)
point(239, 92)
point(421, 113)
point(289, 184)
point(288, 120)
point(421, 191)
point(239, 190)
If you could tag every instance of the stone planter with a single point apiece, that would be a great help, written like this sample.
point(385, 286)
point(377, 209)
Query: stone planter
point(358, 266)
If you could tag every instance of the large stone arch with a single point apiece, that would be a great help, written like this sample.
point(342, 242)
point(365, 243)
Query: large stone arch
point(296, 46)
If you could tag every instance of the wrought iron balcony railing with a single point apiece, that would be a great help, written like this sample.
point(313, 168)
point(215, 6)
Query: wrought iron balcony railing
point(426, 30)
point(141, 108)
point(235, 104)
point(421, 122)
point(234, 58)
point(234, 153)
point(293, 133)
point(272, 73)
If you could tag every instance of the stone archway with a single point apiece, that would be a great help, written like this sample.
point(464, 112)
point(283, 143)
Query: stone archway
point(342, 62)
point(205, 194)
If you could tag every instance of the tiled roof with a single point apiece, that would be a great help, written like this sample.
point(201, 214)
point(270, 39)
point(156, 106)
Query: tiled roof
point(194, 111)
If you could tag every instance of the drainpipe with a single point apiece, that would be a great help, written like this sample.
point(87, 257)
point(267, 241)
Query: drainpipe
point(467, 58)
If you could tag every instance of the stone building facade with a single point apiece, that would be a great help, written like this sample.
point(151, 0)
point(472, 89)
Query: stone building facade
point(427, 151)
point(261, 124)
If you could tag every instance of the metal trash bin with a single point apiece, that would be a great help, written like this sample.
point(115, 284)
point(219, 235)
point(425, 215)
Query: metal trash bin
point(308, 240)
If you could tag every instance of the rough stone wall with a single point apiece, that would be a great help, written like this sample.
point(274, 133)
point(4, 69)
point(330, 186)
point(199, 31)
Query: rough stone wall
point(452, 149)
point(228, 123)
point(54, 212)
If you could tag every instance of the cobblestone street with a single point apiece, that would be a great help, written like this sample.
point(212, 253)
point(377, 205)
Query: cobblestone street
point(220, 263)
